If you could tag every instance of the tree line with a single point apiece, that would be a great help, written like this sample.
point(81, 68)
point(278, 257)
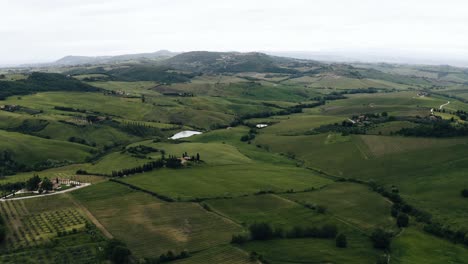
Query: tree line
point(400, 207)
point(264, 231)
point(437, 129)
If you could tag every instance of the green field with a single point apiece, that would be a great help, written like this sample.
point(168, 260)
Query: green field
point(334, 130)
point(142, 220)
point(32, 150)
point(37, 226)
point(228, 180)
point(269, 208)
point(415, 246)
point(346, 202)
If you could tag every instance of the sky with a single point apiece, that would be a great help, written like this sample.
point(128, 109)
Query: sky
point(46, 30)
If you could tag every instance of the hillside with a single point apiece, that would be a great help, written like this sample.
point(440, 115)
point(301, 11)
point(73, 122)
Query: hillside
point(41, 82)
point(81, 60)
point(290, 161)
point(204, 61)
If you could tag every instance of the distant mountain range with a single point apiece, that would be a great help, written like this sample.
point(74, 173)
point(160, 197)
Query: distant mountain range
point(254, 61)
point(80, 60)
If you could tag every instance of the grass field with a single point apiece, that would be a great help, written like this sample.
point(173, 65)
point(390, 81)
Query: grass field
point(228, 180)
point(352, 203)
point(114, 161)
point(210, 153)
point(269, 208)
point(414, 246)
point(219, 254)
point(284, 251)
point(30, 150)
point(295, 124)
point(151, 227)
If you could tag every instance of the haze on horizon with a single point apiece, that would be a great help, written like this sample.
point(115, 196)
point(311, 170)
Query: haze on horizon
point(43, 31)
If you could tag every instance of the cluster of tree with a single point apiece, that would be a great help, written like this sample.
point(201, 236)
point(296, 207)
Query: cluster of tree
point(155, 73)
point(10, 187)
point(81, 141)
point(30, 126)
point(381, 239)
point(346, 127)
point(8, 165)
point(255, 257)
point(117, 252)
point(157, 164)
point(194, 158)
point(167, 257)
point(462, 114)
point(264, 231)
point(285, 111)
point(139, 129)
point(47, 164)
point(250, 136)
point(37, 184)
point(341, 241)
point(444, 231)
point(340, 95)
point(400, 208)
point(141, 150)
point(171, 162)
point(70, 109)
point(181, 94)
point(41, 82)
point(34, 183)
point(355, 125)
point(438, 129)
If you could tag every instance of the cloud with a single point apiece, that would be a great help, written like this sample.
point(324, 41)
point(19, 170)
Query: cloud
point(45, 30)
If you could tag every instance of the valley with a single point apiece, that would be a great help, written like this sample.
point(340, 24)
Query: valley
point(227, 157)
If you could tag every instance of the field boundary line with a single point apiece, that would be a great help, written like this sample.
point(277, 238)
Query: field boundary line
point(215, 212)
point(91, 217)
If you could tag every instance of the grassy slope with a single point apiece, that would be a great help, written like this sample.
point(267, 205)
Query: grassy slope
point(414, 246)
point(30, 150)
point(151, 227)
point(227, 180)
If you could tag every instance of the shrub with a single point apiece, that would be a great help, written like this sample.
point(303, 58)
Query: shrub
point(321, 209)
point(402, 220)
point(261, 231)
point(239, 239)
point(381, 238)
point(341, 241)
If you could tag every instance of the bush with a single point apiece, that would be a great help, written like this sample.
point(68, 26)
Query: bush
point(117, 252)
point(321, 209)
point(239, 239)
point(402, 220)
point(341, 241)
point(381, 239)
point(261, 231)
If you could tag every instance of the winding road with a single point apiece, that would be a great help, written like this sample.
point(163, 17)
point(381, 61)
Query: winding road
point(46, 194)
point(441, 106)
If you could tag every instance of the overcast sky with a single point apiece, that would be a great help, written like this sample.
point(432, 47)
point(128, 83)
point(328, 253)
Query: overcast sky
point(45, 30)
